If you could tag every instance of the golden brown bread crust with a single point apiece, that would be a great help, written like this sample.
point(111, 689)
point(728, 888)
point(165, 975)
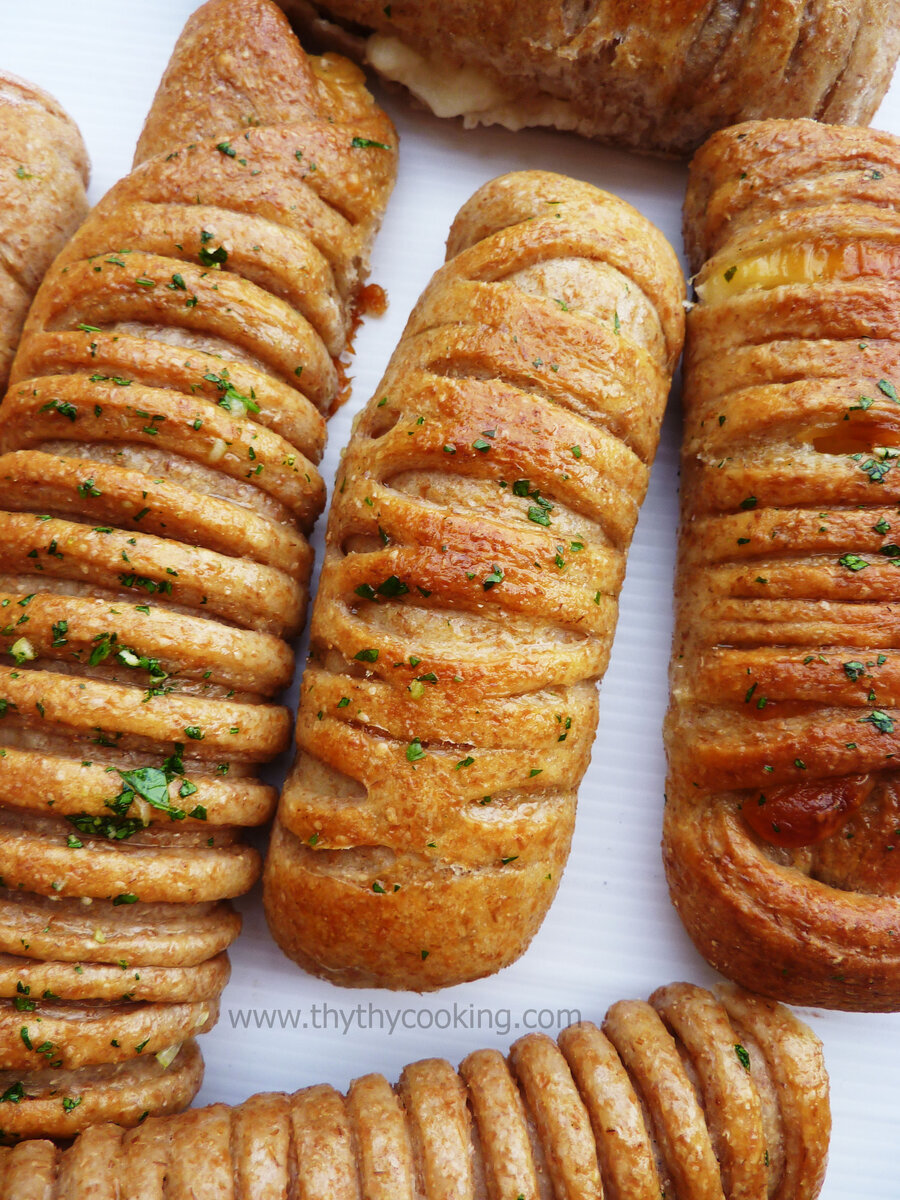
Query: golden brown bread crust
point(665, 1088)
point(59, 1103)
point(476, 547)
point(157, 486)
point(783, 802)
point(654, 77)
point(43, 175)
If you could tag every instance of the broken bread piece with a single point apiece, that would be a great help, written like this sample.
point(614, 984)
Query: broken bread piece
point(157, 486)
point(476, 547)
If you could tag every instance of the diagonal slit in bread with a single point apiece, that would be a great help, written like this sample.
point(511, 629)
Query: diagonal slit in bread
point(783, 807)
point(653, 77)
point(468, 597)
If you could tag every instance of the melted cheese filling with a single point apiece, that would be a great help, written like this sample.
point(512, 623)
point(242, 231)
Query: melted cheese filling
point(448, 91)
point(798, 265)
point(468, 92)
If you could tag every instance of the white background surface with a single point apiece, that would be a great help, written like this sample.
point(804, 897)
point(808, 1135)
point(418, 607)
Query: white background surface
point(612, 933)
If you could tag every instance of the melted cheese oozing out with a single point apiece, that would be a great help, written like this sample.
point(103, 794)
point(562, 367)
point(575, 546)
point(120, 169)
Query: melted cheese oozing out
point(448, 91)
point(800, 264)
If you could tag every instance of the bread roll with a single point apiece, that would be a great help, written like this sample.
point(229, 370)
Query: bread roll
point(157, 485)
point(654, 77)
point(43, 173)
point(689, 1095)
point(783, 814)
point(476, 548)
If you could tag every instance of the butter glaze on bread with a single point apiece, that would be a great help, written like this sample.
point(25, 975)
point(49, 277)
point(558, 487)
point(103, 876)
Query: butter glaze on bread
point(157, 485)
point(476, 547)
point(651, 76)
point(692, 1095)
point(781, 829)
point(43, 173)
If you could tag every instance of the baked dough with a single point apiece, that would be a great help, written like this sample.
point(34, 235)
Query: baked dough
point(725, 1098)
point(653, 76)
point(157, 485)
point(476, 547)
point(783, 813)
point(44, 170)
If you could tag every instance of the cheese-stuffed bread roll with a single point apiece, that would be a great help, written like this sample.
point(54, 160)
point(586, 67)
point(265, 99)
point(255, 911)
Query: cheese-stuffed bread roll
point(43, 175)
point(783, 814)
point(476, 547)
point(157, 485)
point(701, 1096)
point(653, 77)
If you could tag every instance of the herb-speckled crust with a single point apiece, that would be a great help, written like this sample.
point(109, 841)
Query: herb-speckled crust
point(60, 1102)
point(43, 175)
point(476, 548)
point(654, 77)
point(785, 670)
point(737, 1074)
point(154, 554)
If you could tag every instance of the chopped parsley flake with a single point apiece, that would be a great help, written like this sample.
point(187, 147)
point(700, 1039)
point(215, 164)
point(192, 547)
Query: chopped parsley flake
point(495, 577)
point(880, 720)
point(414, 751)
point(212, 258)
point(390, 587)
point(63, 407)
point(878, 467)
point(361, 143)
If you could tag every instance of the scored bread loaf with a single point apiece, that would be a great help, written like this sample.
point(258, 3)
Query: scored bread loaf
point(692, 1095)
point(43, 173)
point(157, 485)
point(476, 547)
point(653, 77)
point(783, 813)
